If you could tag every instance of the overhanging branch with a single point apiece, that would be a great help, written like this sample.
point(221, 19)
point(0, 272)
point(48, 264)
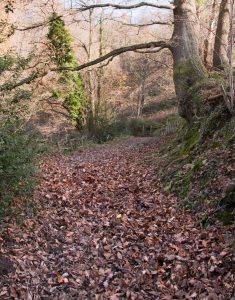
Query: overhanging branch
point(35, 75)
point(144, 24)
point(118, 6)
point(150, 45)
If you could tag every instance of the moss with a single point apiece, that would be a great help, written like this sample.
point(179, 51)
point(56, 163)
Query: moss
point(184, 163)
point(193, 168)
point(226, 133)
point(186, 71)
point(229, 200)
point(168, 187)
point(219, 78)
point(226, 217)
point(231, 140)
point(190, 140)
point(214, 122)
point(56, 93)
point(204, 180)
point(215, 144)
point(200, 2)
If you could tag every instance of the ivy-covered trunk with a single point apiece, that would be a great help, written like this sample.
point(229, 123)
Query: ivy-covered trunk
point(62, 54)
point(188, 67)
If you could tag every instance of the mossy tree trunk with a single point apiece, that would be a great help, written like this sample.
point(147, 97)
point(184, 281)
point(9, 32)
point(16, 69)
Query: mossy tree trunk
point(188, 67)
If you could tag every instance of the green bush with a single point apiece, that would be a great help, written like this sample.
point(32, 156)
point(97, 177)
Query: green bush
point(17, 159)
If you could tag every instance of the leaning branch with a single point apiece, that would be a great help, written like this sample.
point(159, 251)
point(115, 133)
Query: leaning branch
point(9, 86)
point(150, 45)
point(85, 7)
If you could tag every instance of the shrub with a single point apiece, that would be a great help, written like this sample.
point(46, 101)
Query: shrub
point(17, 171)
point(141, 127)
point(105, 126)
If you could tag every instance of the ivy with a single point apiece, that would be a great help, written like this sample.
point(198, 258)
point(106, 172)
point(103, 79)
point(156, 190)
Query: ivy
point(62, 54)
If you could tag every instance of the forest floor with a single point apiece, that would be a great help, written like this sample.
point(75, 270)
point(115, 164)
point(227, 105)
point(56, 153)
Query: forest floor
point(102, 230)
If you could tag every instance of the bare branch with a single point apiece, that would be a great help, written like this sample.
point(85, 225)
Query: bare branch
point(148, 51)
point(41, 24)
point(145, 24)
point(107, 63)
point(9, 86)
point(37, 25)
point(118, 6)
point(150, 45)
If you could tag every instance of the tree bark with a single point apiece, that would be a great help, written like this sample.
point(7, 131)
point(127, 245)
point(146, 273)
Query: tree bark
point(118, 6)
point(141, 98)
point(188, 68)
point(208, 42)
point(220, 54)
point(229, 97)
point(100, 72)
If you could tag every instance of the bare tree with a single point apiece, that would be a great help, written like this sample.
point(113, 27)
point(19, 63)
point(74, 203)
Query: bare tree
point(138, 69)
point(209, 25)
point(188, 66)
point(229, 97)
point(220, 55)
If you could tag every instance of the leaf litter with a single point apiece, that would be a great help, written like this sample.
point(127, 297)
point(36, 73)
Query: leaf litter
point(104, 231)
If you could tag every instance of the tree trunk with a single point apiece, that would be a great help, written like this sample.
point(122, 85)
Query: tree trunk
point(229, 97)
point(208, 42)
point(141, 98)
point(188, 67)
point(220, 55)
point(100, 72)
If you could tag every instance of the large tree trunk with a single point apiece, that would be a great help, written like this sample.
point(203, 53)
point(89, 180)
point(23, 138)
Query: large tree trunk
point(220, 55)
point(188, 66)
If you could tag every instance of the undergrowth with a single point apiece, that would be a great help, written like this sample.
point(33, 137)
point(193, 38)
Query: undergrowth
point(197, 157)
point(18, 154)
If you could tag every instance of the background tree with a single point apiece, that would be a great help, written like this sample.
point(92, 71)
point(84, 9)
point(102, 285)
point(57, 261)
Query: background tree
point(220, 54)
point(184, 46)
point(138, 71)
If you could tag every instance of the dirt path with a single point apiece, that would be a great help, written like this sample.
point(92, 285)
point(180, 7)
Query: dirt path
point(103, 231)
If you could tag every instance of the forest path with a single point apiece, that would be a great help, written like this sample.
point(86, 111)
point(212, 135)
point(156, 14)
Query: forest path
point(103, 231)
